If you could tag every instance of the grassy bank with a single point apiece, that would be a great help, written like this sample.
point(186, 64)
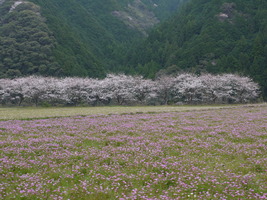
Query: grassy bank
point(39, 112)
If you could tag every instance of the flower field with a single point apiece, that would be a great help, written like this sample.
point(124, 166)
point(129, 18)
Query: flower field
point(200, 154)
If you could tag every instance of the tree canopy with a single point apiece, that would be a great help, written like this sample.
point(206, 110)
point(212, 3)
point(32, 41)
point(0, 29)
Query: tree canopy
point(208, 36)
point(26, 44)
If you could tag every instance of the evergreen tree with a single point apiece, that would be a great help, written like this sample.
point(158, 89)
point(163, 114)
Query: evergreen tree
point(210, 36)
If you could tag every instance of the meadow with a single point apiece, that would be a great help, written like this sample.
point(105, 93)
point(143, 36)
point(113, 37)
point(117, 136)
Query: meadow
point(156, 153)
point(24, 113)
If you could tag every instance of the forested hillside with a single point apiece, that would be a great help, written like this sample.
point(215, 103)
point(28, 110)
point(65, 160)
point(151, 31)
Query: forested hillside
point(147, 37)
point(73, 38)
point(26, 44)
point(216, 36)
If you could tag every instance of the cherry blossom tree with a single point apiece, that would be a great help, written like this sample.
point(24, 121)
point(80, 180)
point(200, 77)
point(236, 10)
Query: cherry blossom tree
point(144, 91)
point(35, 88)
point(55, 92)
point(187, 88)
point(5, 89)
point(127, 90)
point(229, 88)
point(120, 88)
point(164, 91)
point(239, 89)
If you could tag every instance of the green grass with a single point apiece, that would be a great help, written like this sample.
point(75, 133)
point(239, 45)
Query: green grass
point(206, 153)
point(39, 112)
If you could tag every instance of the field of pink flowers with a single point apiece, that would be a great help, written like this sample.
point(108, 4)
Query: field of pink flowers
point(204, 154)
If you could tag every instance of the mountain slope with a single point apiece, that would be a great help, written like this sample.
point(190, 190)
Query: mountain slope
point(87, 37)
point(99, 27)
point(215, 36)
point(26, 43)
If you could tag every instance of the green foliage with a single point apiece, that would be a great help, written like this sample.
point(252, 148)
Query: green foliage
point(85, 38)
point(26, 44)
point(70, 38)
point(91, 40)
point(210, 36)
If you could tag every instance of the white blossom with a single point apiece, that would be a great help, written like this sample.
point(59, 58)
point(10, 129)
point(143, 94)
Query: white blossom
point(127, 90)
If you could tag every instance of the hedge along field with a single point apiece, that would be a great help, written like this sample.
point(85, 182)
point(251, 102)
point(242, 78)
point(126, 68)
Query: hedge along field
point(204, 154)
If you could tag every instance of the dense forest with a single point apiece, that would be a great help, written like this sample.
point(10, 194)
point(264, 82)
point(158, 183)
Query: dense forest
point(86, 37)
point(89, 38)
point(215, 36)
point(26, 44)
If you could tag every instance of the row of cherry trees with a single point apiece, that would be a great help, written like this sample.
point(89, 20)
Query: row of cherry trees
point(128, 90)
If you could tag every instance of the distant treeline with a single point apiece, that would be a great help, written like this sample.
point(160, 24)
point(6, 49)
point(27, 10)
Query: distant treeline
point(128, 90)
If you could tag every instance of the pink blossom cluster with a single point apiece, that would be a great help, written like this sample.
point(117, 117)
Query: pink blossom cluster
point(209, 154)
point(129, 90)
